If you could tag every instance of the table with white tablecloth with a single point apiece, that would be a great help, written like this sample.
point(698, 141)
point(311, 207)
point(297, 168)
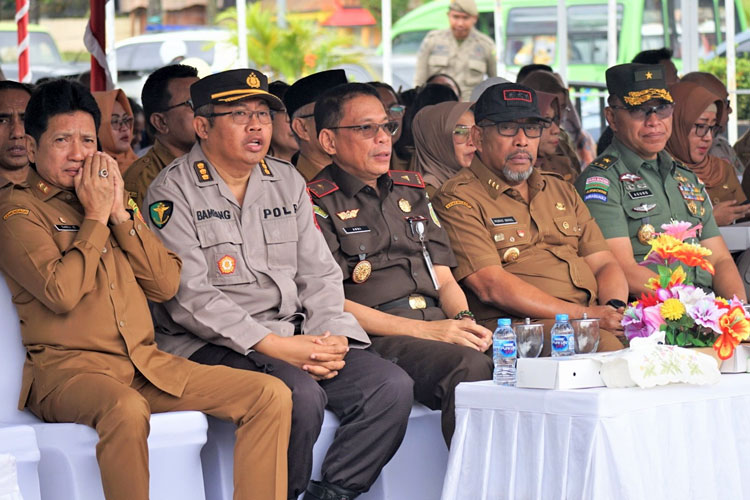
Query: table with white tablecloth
point(736, 236)
point(671, 442)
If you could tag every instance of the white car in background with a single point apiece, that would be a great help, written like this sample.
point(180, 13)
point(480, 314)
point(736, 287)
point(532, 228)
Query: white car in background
point(208, 49)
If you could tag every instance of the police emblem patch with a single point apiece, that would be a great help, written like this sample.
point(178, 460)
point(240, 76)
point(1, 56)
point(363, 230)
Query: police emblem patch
point(160, 212)
point(227, 264)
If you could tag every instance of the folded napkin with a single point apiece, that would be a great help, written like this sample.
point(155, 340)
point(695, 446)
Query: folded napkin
point(649, 362)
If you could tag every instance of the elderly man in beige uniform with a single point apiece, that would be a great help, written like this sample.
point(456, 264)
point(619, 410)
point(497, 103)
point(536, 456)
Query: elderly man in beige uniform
point(461, 51)
point(260, 290)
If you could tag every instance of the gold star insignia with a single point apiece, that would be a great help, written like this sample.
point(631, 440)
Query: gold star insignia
point(649, 75)
point(605, 160)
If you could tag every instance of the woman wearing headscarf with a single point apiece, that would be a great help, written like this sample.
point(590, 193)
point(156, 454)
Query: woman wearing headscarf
point(116, 128)
point(720, 146)
point(572, 130)
point(442, 141)
point(551, 157)
point(697, 117)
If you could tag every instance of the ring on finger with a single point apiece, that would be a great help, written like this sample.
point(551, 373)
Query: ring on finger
point(103, 173)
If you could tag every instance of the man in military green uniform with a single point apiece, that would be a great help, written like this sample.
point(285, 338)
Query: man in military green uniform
point(635, 186)
point(461, 51)
point(169, 118)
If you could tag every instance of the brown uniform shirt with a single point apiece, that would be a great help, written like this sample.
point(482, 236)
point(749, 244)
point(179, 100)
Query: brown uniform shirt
point(359, 223)
point(80, 289)
point(305, 167)
point(139, 175)
point(728, 189)
point(487, 219)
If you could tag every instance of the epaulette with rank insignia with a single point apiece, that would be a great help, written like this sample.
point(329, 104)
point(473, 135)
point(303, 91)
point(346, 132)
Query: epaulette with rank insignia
point(407, 178)
point(604, 162)
point(202, 172)
point(322, 187)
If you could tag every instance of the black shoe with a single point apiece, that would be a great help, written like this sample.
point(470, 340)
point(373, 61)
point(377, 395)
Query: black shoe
point(320, 490)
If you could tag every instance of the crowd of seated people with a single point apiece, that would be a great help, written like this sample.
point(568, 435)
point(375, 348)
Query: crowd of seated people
point(278, 250)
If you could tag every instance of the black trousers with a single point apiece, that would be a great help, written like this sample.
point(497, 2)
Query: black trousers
point(436, 368)
point(371, 396)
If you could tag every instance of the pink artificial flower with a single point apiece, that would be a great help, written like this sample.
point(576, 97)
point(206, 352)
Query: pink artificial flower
point(681, 230)
point(652, 318)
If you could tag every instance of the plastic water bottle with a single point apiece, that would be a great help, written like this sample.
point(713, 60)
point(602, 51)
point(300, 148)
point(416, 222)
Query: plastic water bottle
point(504, 353)
point(561, 335)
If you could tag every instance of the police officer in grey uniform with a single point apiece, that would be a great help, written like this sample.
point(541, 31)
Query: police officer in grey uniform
point(260, 290)
point(460, 51)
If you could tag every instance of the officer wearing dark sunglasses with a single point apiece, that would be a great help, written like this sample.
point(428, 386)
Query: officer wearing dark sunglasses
point(635, 186)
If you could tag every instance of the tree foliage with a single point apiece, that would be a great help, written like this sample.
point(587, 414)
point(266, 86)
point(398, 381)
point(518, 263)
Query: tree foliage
point(299, 50)
point(718, 67)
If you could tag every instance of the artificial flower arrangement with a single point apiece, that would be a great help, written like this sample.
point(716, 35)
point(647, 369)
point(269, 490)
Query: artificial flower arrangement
point(687, 314)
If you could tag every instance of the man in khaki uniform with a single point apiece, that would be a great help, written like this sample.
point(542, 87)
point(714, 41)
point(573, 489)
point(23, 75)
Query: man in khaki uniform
point(525, 243)
point(260, 290)
point(81, 263)
point(14, 162)
point(461, 51)
point(299, 101)
point(169, 115)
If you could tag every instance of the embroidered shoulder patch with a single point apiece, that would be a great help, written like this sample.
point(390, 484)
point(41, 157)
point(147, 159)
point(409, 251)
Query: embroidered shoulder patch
point(406, 178)
point(160, 212)
point(604, 162)
point(433, 215)
point(136, 211)
point(322, 187)
point(320, 212)
point(595, 196)
point(454, 203)
point(201, 170)
point(15, 211)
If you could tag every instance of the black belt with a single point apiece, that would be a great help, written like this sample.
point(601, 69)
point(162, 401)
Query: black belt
point(413, 301)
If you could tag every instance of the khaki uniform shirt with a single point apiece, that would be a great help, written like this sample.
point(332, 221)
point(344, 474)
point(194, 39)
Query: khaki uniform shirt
point(359, 223)
point(139, 175)
point(728, 189)
point(489, 223)
point(80, 288)
point(624, 192)
point(306, 168)
point(249, 270)
point(467, 62)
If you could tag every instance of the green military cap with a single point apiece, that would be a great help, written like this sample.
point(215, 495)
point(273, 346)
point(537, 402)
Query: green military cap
point(466, 6)
point(233, 85)
point(636, 83)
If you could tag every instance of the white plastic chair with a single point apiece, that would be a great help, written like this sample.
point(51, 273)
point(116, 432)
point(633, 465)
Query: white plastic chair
point(416, 472)
point(68, 469)
point(20, 442)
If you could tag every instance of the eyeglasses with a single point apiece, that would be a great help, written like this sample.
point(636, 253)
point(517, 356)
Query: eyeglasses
point(117, 123)
point(242, 117)
point(701, 129)
point(396, 109)
point(461, 134)
point(370, 130)
point(639, 113)
point(510, 129)
point(188, 103)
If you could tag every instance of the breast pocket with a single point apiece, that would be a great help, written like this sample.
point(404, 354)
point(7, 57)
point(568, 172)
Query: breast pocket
point(510, 241)
point(477, 69)
point(437, 62)
point(221, 244)
point(638, 217)
point(568, 229)
point(281, 239)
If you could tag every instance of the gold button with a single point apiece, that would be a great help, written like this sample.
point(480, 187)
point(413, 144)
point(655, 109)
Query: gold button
point(139, 227)
point(511, 254)
point(132, 232)
point(104, 250)
point(122, 323)
point(565, 225)
point(112, 286)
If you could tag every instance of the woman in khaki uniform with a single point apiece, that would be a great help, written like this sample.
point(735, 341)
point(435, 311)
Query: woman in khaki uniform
point(697, 115)
point(552, 156)
point(442, 142)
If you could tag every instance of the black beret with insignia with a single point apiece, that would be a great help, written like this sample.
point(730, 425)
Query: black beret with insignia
point(233, 85)
point(636, 83)
point(308, 89)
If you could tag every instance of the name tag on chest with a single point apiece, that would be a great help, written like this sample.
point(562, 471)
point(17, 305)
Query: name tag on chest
point(67, 227)
point(356, 229)
point(641, 193)
point(503, 221)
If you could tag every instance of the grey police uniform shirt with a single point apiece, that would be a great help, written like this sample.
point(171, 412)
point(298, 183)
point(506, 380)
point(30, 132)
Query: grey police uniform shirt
point(247, 270)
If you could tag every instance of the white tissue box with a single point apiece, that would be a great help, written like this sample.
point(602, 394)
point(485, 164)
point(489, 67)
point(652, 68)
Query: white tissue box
point(738, 363)
point(569, 372)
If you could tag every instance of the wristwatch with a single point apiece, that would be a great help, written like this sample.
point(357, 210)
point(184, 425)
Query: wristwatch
point(616, 303)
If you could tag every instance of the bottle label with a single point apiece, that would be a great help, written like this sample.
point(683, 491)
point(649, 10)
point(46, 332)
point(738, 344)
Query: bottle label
point(505, 348)
point(561, 342)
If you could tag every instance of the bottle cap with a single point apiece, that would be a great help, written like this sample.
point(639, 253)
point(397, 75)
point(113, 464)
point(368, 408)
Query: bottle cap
point(503, 322)
point(559, 318)
point(527, 321)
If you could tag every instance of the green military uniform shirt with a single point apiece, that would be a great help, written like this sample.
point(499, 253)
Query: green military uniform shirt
point(466, 61)
point(624, 192)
